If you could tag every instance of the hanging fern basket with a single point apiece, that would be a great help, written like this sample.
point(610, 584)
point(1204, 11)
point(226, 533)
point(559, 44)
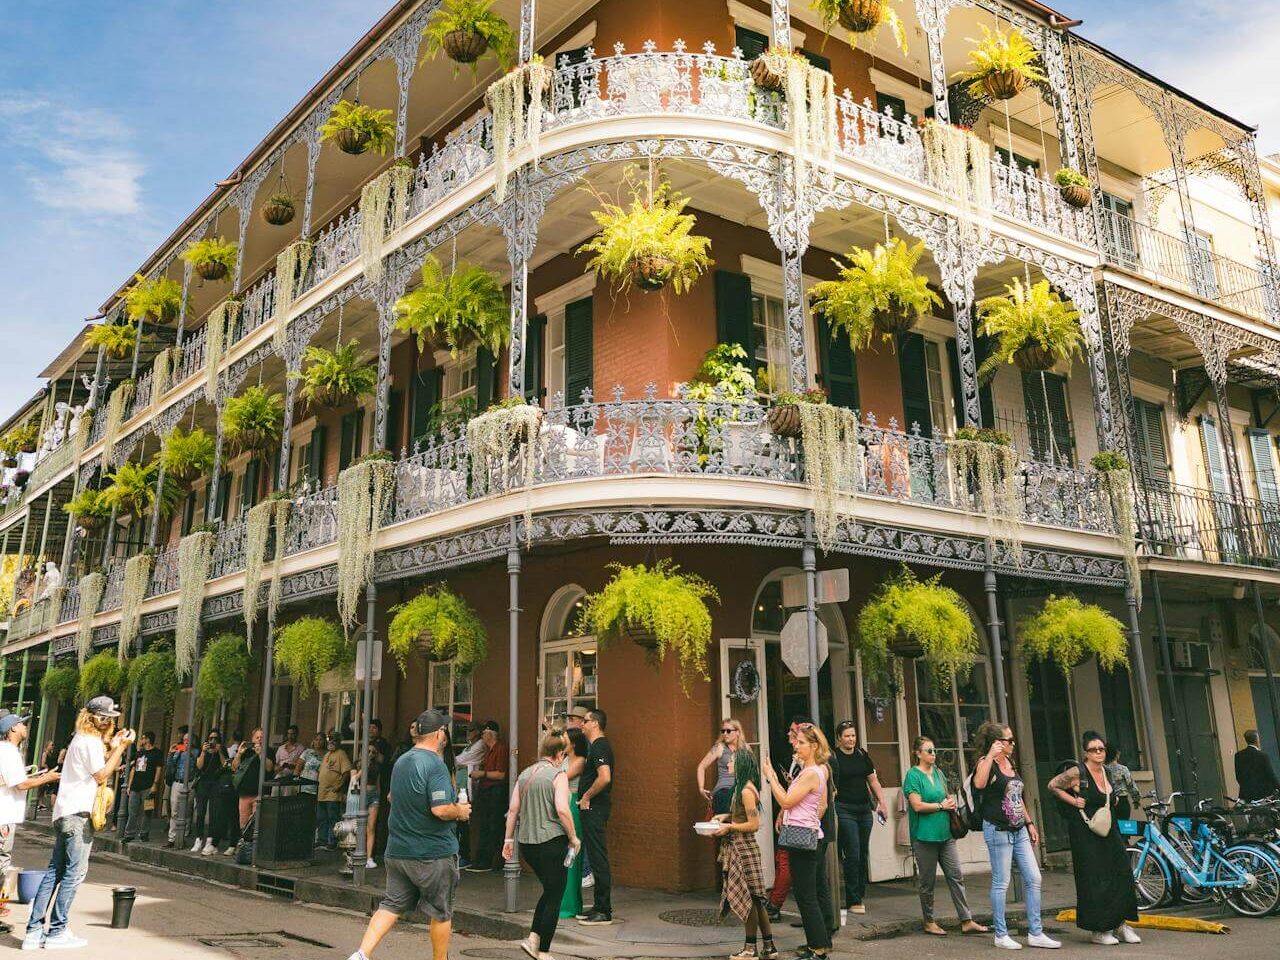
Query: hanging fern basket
point(638, 635)
point(165, 315)
point(1033, 357)
point(354, 142)
point(211, 269)
point(651, 271)
point(1004, 84)
point(10, 461)
point(892, 322)
point(784, 420)
point(89, 522)
point(278, 211)
point(256, 441)
point(1076, 195)
point(184, 475)
point(464, 46)
point(861, 16)
point(765, 77)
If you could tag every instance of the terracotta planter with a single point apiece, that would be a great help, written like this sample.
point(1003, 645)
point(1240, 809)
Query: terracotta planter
point(1004, 84)
point(1032, 357)
point(784, 420)
point(651, 272)
point(765, 78)
point(860, 16)
point(893, 321)
point(464, 46)
point(1076, 195)
point(211, 270)
point(90, 523)
point(354, 142)
point(638, 635)
point(277, 212)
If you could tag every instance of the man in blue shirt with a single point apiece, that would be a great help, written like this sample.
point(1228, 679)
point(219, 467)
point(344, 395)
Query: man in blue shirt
point(421, 858)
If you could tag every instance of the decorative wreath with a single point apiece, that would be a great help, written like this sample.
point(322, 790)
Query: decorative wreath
point(746, 682)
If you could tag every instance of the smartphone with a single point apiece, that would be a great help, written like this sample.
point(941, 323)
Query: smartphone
point(881, 818)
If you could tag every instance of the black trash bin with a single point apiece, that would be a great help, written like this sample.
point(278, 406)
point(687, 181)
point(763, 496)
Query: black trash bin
point(122, 907)
point(286, 825)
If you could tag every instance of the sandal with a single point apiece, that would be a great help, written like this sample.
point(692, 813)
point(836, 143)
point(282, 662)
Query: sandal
point(973, 926)
point(934, 930)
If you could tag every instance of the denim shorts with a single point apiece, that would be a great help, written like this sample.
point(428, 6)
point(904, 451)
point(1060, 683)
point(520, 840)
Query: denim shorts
point(428, 884)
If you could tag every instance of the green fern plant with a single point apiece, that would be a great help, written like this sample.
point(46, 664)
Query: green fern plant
point(61, 684)
point(1068, 632)
point(156, 301)
point(101, 675)
point(117, 339)
point(89, 508)
point(438, 617)
point(878, 290)
point(456, 310)
point(309, 648)
point(225, 673)
point(1066, 177)
point(1027, 316)
point(1108, 460)
point(253, 421)
point(187, 455)
point(155, 674)
point(336, 377)
point(1000, 53)
point(212, 257)
point(24, 438)
point(132, 491)
point(470, 17)
point(356, 128)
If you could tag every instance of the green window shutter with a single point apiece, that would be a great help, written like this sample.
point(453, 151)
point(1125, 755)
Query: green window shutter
point(224, 495)
point(426, 394)
point(915, 384)
point(982, 349)
point(352, 429)
point(1264, 467)
point(896, 106)
point(579, 349)
point(817, 60)
point(273, 480)
point(1047, 417)
point(957, 391)
point(1153, 454)
point(535, 338)
point(1214, 463)
point(751, 43)
point(188, 513)
point(249, 484)
point(839, 370)
point(315, 468)
point(485, 379)
point(733, 311)
point(394, 440)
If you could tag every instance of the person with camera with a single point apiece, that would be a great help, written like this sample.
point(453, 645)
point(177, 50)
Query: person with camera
point(212, 773)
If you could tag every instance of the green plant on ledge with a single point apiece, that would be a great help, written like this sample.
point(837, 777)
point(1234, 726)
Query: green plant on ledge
point(89, 508)
point(1001, 64)
point(252, 421)
point(334, 378)
point(133, 490)
point(213, 258)
point(1068, 632)
point(117, 339)
point(155, 674)
point(861, 17)
point(910, 617)
point(24, 438)
point(1074, 187)
point(61, 684)
point(155, 301)
point(455, 311)
point(465, 30)
point(356, 128)
point(1034, 328)
point(442, 625)
point(997, 438)
point(660, 608)
point(879, 291)
point(187, 455)
point(224, 675)
point(309, 648)
point(102, 674)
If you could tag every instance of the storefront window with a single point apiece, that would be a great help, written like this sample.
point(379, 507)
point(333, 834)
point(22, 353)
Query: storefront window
point(569, 659)
point(450, 691)
point(950, 716)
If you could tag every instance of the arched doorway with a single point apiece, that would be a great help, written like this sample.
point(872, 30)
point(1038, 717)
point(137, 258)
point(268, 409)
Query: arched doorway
point(567, 658)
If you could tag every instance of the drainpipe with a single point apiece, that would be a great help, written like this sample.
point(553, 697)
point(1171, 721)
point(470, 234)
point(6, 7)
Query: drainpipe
point(365, 713)
point(1166, 668)
point(511, 869)
point(1264, 646)
point(809, 560)
point(991, 587)
point(1144, 694)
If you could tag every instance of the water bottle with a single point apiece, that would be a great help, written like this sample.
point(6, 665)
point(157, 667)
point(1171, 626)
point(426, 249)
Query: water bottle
point(462, 795)
point(569, 857)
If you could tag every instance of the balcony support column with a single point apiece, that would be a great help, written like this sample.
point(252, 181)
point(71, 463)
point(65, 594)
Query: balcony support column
point(962, 311)
point(528, 22)
point(182, 310)
point(1140, 669)
point(1273, 698)
point(211, 503)
point(286, 429)
point(387, 294)
point(790, 215)
point(933, 20)
point(1175, 143)
point(1180, 780)
point(991, 587)
point(520, 226)
point(511, 868)
point(1215, 358)
point(780, 15)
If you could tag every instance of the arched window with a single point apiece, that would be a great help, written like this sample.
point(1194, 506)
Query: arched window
point(568, 660)
point(950, 715)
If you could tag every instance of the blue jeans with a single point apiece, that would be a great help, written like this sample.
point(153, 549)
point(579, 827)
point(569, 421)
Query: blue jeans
point(1003, 848)
point(855, 843)
point(330, 812)
point(72, 843)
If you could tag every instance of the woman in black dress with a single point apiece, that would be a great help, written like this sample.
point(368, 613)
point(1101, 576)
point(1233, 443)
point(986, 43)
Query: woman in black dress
point(1105, 895)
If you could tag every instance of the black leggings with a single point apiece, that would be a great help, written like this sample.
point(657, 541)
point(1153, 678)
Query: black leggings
point(805, 867)
point(547, 861)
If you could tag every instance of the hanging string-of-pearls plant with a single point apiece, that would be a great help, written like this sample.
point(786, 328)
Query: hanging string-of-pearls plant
point(514, 127)
point(291, 267)
point(137, 574)
point(1119, 490)
point(993, 468)
point(83, 428)
point(384, 202)
point(215, 338)
point(830, 440)
point(494, 436)
point(120, 398)
point(811, 111)
point(160, 370)
point(257, 528)
point(283, 506)
point(195, 554)
point(364, 493)
point(958, 164)
point(91, 587)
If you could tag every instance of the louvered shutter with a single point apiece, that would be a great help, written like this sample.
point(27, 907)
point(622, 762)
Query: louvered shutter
point(485, 379)
point(1153, 455)
point(273, 481)
point(535, 337)
point(957, 391)
point(579, 345)
point(315, 467)
point(188, 513)
point(1214, 464)
point(733, 312)
point(249, 484)
point(1045, 400)
point(426, 394)
point(915, 384)
point(1264, 466)
point(349, 449)
point(751, 43)
point(839, 371)
point(394, 439)
point(981, 350)
point(224, 495)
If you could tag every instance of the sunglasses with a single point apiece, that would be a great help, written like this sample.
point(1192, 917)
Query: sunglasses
point(728, 730)
point(1095, 749)
point(928, 750)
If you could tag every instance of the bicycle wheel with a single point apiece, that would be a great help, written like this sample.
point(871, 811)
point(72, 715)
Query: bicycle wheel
point(1259, 892)
point(1151, 878)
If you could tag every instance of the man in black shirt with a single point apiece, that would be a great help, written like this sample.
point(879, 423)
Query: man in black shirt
point(144, 786)
point(1253, 769)
point(595, 788)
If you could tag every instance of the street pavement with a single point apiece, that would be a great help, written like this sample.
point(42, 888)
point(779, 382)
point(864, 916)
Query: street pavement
point(180, 918)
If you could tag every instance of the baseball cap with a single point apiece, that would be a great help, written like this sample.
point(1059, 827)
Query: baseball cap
point(429, 721)
point(492, 725)
point(9, 721)
point(578, 713)
point(102, 707)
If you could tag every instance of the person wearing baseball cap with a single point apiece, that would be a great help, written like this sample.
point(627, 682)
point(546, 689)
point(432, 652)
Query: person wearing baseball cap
point(573, 719)
point(421, 858)
point(92, 759)
point(13, 773)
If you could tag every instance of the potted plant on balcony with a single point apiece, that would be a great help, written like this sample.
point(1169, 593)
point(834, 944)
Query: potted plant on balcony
point(878, 291)
point(1001, 64)
point(1034, 328)
point(861, 17)
point(89, 508)
point(213, 258)
point(186, 455)
point(465, 30)
point(649, 243)
point(439, 624)
point(1117, 485)
point(155, 301)
point(722, 384)
point(117, 339)
point(357, 128)
point(225, 673)
point(658, 607)
point(784, 416)
point(310, 647)
point(984, 464)
point(252, 421)
point(1074, 188)
point(278, 210)
point(133, 491)
point(1068, 632)
point(455, 311)
point(103, 673)
point(334, 378)
point(60, 684)
point(909, 617)
point(155, 676)
point(26, 436)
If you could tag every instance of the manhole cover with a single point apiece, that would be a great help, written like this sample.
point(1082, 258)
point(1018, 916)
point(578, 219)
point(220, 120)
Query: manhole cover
point(692, 918)
point(242, 942)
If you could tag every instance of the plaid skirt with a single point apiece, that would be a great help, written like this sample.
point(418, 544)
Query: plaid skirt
point(743, 874)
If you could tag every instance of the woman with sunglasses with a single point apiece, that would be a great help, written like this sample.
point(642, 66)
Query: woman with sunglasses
point(1105, 895)
point(1009, 832)
point(721, 755)
point(856, 784)
point(928, 803)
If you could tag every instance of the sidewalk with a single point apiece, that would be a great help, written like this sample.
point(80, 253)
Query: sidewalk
point(649, 924)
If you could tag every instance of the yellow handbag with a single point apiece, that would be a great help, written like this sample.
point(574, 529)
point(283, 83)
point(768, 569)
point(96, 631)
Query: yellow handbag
point(102, 801)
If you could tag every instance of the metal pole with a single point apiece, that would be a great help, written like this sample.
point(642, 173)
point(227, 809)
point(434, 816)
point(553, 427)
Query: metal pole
point(264, 722)
point(990, 585)
point(361, 853)
point(4, 669)
point(1144, 692)
point(44, 711)
point(1264, 645)
point(22, 681)
point(511, 869)
point(1166, 667)
point(809, 560)
point(192, 740)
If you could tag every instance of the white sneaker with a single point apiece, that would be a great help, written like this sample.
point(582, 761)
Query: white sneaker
point(1043, 941)
point(1007, 943)
point(358, 955)
point(230, 851)
point(66, 940)
point(209, 849)
point(1126, 934)
point(197, 846)
point(371, 864)
point(33, 941)
point(1104, 939)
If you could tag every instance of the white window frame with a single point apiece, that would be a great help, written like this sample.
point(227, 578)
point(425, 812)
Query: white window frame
point(458, 365)
point(457, 738)
point(552, 306)
point(552, 642)
point(760, 22)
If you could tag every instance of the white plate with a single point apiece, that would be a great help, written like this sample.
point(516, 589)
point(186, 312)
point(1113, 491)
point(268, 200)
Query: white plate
point(706, 828)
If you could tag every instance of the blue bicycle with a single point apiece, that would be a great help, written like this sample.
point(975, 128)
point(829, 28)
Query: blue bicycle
point(1194, 855)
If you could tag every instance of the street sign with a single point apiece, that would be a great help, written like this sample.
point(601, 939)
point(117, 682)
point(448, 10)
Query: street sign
point(795, 644)
point(833, 587)
point(360, 660)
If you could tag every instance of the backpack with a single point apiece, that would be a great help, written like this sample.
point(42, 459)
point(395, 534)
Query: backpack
point(969, 804)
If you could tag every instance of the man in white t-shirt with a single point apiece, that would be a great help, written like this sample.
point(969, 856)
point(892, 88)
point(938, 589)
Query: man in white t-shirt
point(14, 783)
point(87, 766)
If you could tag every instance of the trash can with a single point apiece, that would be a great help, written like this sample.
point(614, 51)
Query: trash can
point(122, 907)
point(286, 825)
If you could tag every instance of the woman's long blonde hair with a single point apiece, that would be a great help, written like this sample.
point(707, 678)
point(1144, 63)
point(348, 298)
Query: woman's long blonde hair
point(91, 725)
point(822, 749)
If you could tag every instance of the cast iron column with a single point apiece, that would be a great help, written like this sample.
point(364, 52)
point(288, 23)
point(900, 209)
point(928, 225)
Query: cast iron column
point(511, 868)
point(809, 560)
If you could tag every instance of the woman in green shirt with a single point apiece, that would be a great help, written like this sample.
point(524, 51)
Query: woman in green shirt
point(927, 804)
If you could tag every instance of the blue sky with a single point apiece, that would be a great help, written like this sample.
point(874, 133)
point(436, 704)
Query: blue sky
point(117, 116)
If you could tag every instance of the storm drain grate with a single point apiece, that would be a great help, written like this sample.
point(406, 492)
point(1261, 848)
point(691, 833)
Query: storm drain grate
point(275, 885)
point(242, 941)
point(692, 918)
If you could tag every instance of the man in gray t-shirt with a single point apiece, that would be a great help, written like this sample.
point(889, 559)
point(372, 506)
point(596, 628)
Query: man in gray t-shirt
point(422, 846)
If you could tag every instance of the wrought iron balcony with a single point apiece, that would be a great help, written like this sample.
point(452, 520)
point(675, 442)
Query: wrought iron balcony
point(1191, 523)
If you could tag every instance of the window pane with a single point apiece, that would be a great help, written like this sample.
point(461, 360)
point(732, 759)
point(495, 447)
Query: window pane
point(937, 393)
point(879, 702)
